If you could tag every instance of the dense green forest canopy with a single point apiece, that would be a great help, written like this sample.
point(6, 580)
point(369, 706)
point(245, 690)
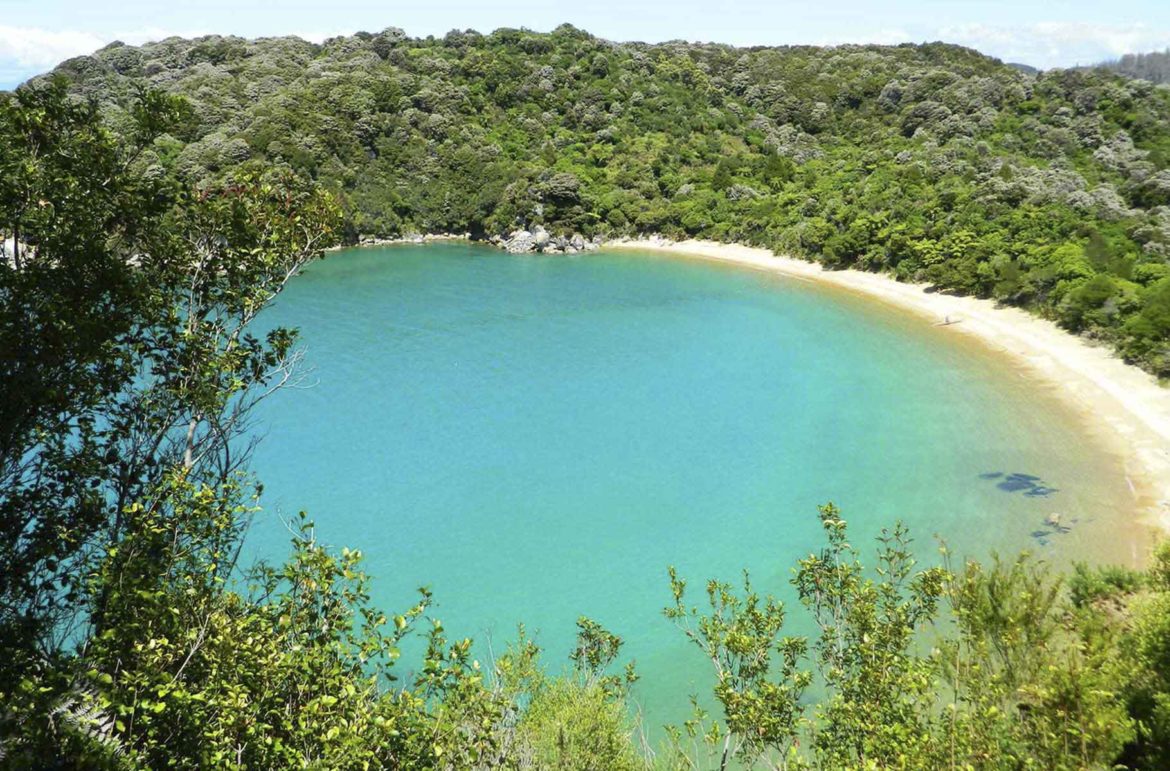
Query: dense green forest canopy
point(933, 162)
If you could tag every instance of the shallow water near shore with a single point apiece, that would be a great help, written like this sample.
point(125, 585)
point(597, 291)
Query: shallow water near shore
point(537, 438)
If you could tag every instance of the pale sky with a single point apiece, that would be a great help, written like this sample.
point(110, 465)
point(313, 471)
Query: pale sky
point(37, 34)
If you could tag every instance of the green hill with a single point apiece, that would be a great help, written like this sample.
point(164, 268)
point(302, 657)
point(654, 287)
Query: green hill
point(932, 162)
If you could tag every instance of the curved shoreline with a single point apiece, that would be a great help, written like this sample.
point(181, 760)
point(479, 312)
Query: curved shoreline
point(1129, 405)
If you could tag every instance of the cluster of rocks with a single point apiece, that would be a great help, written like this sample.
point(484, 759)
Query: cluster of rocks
point(540, 240)
point(412, 238)
point(516, 242)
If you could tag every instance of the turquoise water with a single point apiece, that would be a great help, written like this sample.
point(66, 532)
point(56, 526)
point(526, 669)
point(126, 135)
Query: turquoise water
point(537, 438)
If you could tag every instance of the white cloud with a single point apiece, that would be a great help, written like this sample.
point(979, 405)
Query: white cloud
point(319, 37)
point(1044, 44)
point(29, 48)
point(151, 34)
point(29, 51)
point(884, 37)
point(1058, 44)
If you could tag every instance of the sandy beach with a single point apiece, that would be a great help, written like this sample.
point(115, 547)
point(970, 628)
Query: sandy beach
point(1128, 409)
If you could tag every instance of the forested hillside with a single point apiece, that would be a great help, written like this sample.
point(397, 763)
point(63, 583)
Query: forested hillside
point(933, 162)
point(1154, 67)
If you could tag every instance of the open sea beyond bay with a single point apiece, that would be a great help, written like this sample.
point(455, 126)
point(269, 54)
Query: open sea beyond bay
point(537, 438)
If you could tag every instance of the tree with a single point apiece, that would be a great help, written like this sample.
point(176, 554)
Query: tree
point(71, 300)
point(879, 689)
point(757, 680)
point(125, 328)
point(985, 667)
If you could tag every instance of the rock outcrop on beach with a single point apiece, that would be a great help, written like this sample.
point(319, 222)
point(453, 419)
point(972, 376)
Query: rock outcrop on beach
point(540, 240)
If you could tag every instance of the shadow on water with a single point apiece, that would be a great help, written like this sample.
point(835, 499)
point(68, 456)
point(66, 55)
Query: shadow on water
point(1032, 486)
point(1028, 484)
point(1053, 526)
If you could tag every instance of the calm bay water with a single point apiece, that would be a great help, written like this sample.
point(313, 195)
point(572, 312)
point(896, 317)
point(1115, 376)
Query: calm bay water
point(537, 438)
